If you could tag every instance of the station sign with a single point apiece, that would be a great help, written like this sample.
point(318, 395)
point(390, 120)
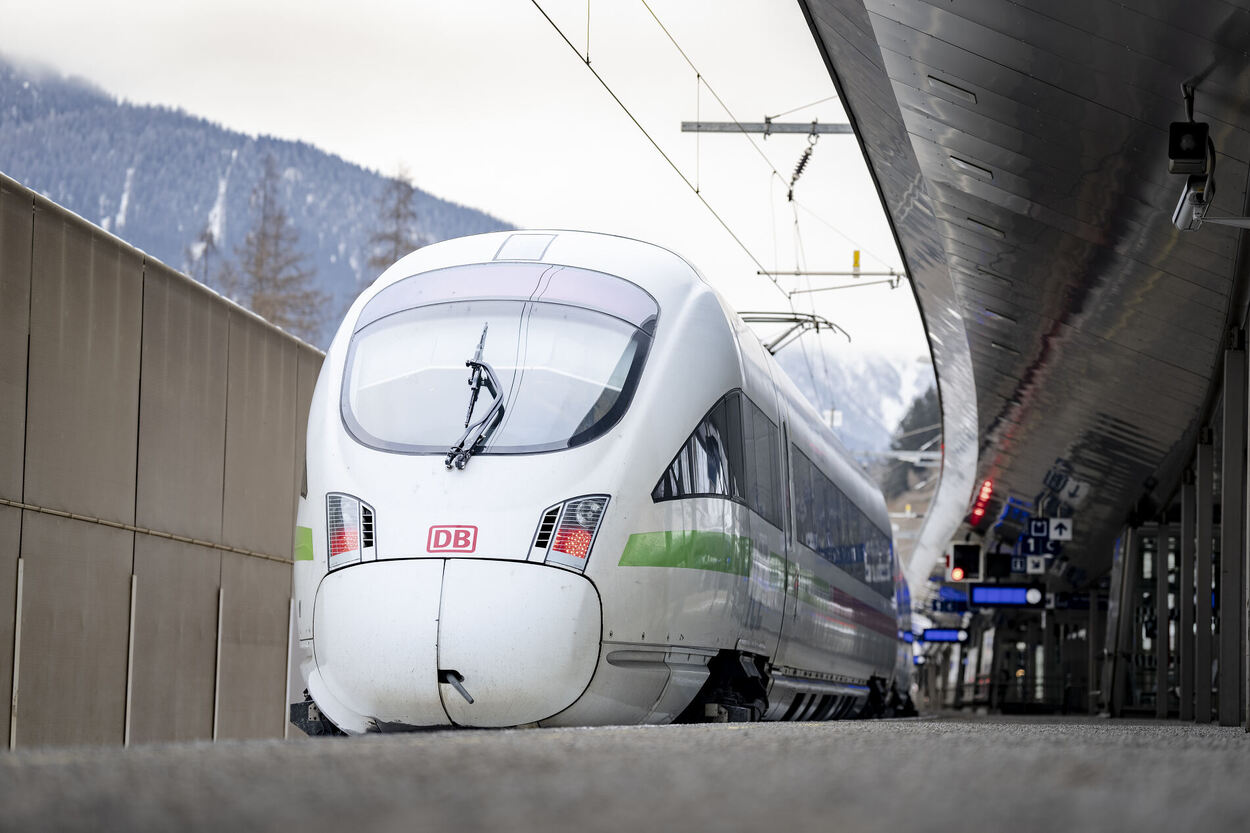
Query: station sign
point(1051, 529)
point(1006, 595)
point(1060, 529)
point(945, 635)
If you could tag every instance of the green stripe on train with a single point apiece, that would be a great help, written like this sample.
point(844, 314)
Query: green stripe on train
point(303, 544)
point(715, 551)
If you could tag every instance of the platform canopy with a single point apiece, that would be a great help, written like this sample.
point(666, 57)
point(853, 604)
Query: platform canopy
point(1021, 152)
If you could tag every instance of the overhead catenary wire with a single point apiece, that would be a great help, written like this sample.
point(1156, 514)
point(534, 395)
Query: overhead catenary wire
point(701, 81)
point(796, 109)
point(809, 212)
point(652, 140)
point(758, 149)
point(801, 252)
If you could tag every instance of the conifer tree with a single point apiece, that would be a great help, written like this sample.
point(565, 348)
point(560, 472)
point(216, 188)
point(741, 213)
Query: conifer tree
point(397, 233)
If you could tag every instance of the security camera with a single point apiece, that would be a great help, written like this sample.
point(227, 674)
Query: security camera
point(1195, 199)
point(1188, 143)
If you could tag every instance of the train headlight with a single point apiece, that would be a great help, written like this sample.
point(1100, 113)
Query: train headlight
point(588, 513)
point(574, 535)
point(349, 529)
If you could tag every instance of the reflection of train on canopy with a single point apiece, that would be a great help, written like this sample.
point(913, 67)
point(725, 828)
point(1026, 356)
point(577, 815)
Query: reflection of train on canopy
point(640, 519)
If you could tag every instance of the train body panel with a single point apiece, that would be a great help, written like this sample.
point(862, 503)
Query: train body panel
point(651, 500)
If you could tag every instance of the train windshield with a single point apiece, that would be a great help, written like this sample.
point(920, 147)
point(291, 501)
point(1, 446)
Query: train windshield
point(567, 372)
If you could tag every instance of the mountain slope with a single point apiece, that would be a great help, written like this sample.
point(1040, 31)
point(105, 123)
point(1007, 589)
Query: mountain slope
point(160, 178)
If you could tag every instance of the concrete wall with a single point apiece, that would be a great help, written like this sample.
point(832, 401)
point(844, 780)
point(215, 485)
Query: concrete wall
point(150, 460)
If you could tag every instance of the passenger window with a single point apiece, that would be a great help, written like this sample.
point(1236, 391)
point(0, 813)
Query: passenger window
point(830, 524)
point(710, 462)
point(732, 453)
point(763, 468)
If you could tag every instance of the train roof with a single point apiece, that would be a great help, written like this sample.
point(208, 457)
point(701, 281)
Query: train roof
point(668, 277)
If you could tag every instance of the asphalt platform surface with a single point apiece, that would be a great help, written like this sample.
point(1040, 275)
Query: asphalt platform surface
point(980, 774)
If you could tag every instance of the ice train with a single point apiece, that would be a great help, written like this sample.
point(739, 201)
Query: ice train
point(628, 515)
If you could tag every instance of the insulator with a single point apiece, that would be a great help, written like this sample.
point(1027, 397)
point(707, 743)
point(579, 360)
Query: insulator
point(798, 170)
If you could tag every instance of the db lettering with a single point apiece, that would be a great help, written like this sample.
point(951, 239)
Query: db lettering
point(452, 539)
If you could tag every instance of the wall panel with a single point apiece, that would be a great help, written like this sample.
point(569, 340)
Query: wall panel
point(15, 237)
point(149, 401)
point(309, 366)
point(10, 535)
point(254, 643)
point(258, 510)
point(182, 407)
point(175, 640)
point(83, 392)
point(75, 629)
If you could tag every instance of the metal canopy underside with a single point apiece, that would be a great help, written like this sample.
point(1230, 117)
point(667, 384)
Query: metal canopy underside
point(1028, 146)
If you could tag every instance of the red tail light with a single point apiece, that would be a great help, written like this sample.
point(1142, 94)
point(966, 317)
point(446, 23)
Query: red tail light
point(349, 529)
point(574, 542)
point(575, 534)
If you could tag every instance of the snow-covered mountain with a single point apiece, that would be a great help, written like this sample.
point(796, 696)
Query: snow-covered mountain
point(159, 178)
point(868, 391)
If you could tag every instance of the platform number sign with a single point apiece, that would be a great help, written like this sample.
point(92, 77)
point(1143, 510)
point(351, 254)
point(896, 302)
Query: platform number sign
point(1030, 545)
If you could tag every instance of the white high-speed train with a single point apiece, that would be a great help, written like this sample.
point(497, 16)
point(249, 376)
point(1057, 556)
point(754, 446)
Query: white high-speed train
point(553, 479)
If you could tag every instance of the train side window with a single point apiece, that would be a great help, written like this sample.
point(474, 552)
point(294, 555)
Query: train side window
point(710, 462)
point(761, 439)
point(801, 472)
point(829, 523)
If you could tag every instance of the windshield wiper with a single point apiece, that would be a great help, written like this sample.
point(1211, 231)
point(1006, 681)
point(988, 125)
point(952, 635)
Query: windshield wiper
point(481, 374)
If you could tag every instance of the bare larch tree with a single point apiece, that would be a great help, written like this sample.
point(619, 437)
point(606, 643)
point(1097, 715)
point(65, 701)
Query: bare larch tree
point(397, 233)
point(273, 277)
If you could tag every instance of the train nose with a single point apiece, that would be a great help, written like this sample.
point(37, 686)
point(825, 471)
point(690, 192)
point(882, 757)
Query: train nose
point(470, 642)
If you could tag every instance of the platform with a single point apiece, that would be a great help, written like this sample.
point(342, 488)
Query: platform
point(947, 773)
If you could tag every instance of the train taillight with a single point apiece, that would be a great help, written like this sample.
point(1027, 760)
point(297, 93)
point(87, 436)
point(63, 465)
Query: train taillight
point(575, 534)
point(349, 529)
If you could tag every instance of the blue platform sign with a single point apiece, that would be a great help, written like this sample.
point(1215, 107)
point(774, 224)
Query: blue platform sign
point(945, 635)
point(1005, 595)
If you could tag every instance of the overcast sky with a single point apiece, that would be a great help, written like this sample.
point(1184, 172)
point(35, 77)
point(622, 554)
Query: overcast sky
point(486, 105)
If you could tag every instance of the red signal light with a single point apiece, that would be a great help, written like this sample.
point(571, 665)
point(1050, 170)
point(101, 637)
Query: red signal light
point(983, 498)
point(957, 574)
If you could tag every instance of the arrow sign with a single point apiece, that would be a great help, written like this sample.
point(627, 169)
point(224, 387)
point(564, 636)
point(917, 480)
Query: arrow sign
point(1061, 529)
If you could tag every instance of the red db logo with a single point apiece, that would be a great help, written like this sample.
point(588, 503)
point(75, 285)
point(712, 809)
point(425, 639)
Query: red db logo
point(452, 539)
